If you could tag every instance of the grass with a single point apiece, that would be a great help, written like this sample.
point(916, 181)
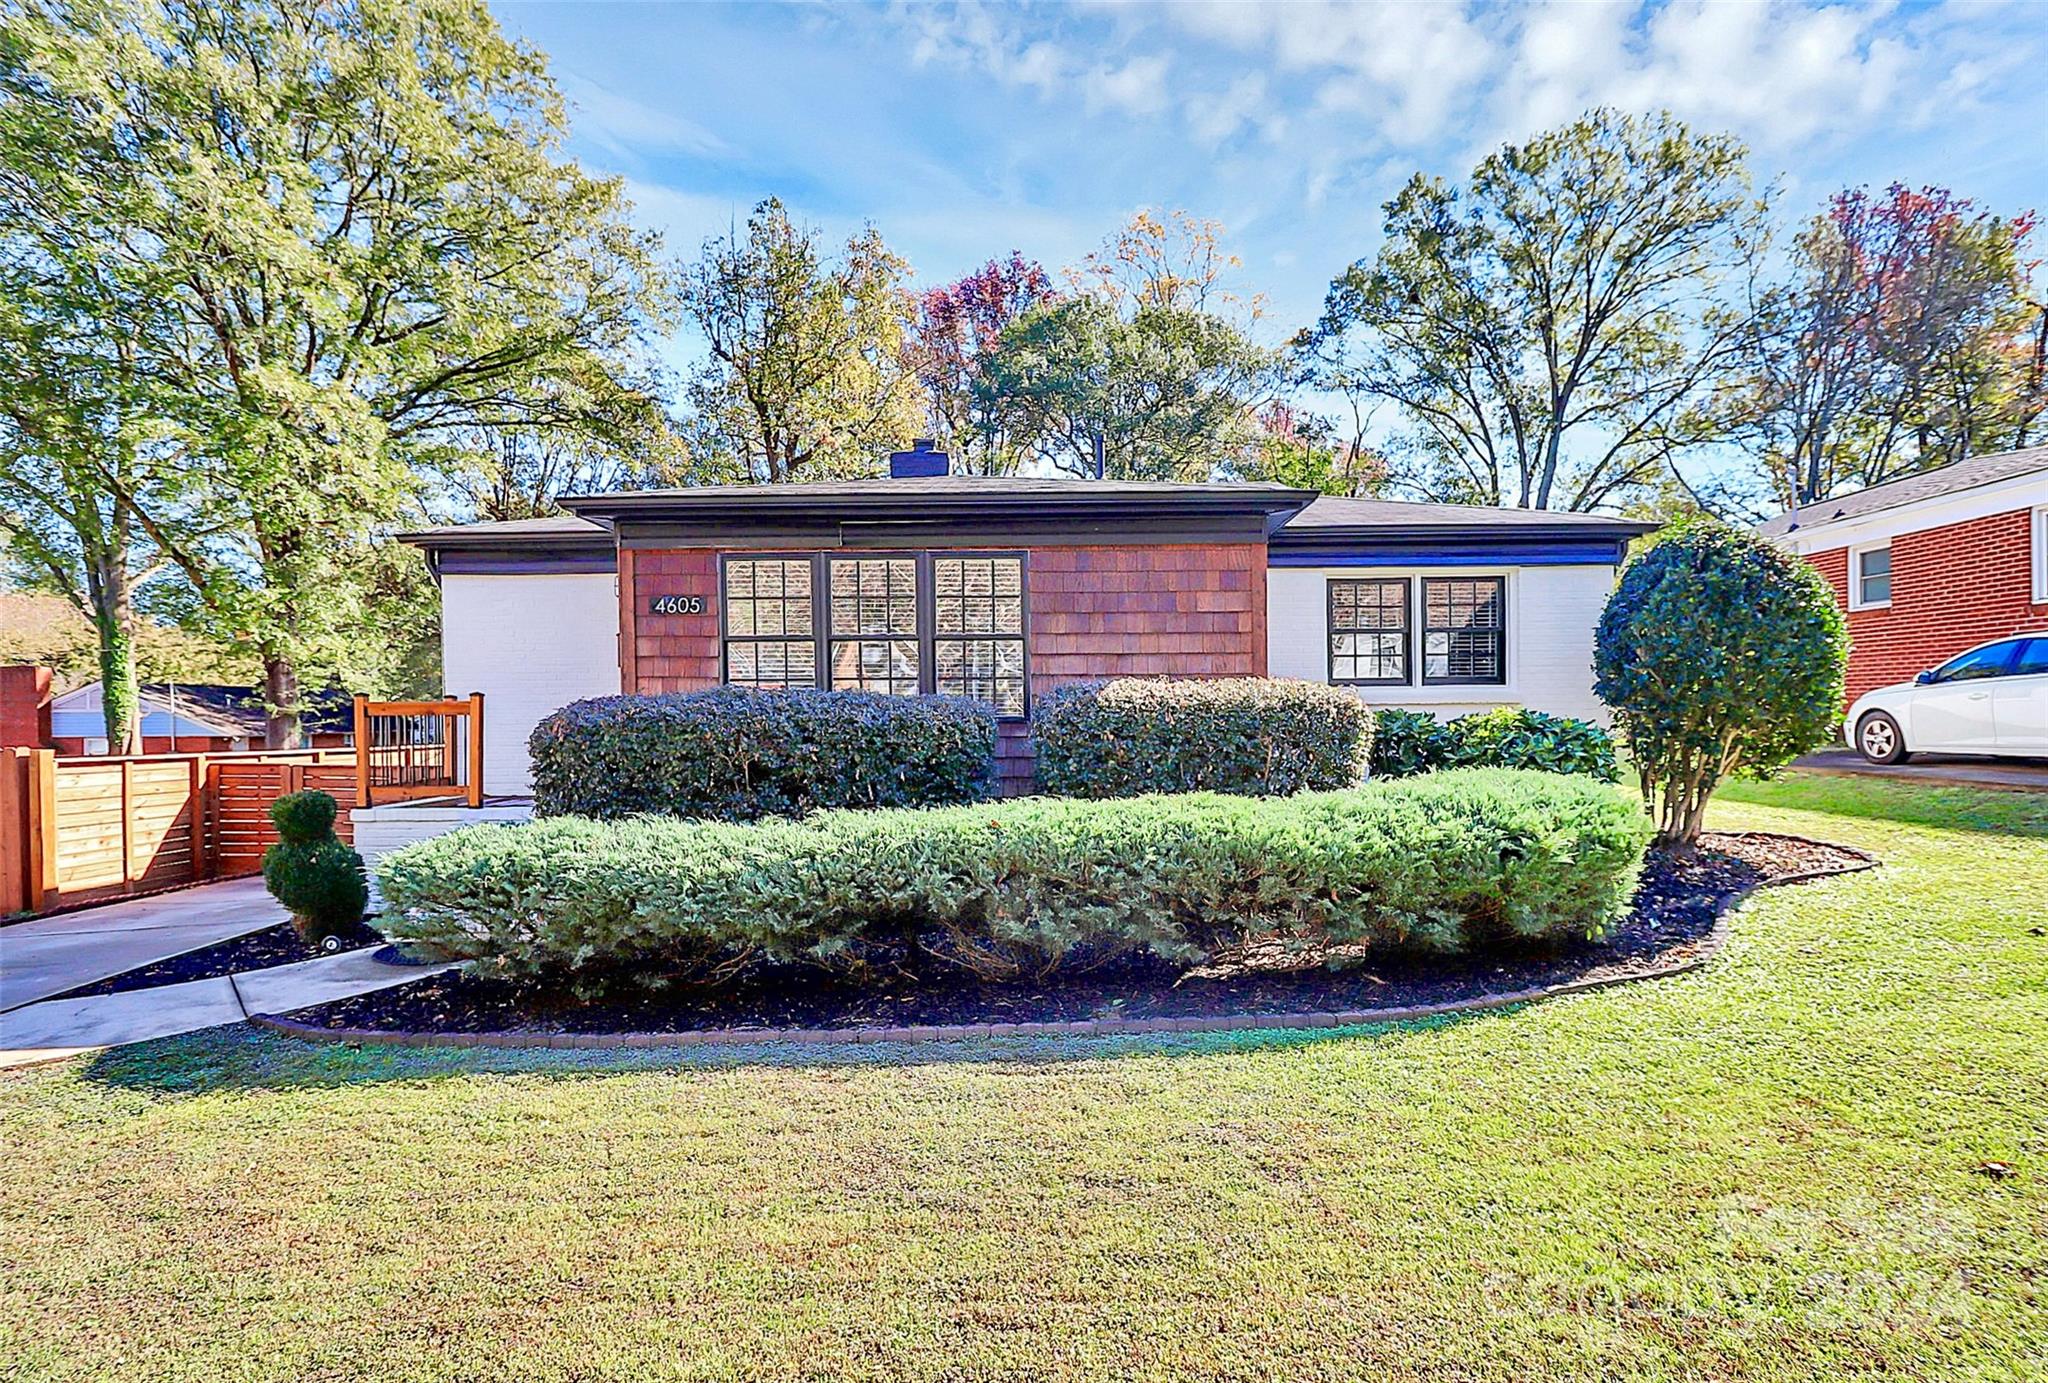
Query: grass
point(1767, 1170)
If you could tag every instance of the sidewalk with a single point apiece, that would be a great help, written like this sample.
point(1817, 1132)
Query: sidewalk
point(66, 1027)
point(50, 955)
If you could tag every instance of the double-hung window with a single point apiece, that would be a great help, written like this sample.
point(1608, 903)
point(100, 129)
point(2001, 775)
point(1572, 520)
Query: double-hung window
point(1870, 577)
point(1369, 632)
point(896, 623)
point(1464, 630)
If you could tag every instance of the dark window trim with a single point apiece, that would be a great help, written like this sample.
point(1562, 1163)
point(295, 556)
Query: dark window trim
point(1331, 631)
point(927, 610)
point(1425, 629)
point(726, 640)
point(920, 592)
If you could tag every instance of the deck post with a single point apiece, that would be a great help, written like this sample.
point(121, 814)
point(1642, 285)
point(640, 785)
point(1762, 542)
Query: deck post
point(42, 829)
point(476, 749)
point(362, 739)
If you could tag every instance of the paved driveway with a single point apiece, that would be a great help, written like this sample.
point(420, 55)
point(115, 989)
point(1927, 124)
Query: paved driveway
point(52, 954)
point(2012, 775)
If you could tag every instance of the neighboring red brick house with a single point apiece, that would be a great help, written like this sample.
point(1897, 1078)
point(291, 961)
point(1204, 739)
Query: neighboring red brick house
point(1934, 564)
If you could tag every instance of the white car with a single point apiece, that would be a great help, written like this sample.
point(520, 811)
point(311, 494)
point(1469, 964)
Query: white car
point(1991, 700)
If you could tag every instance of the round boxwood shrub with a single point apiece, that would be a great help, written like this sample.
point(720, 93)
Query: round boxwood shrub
point(318, 879)
point(1259, 736)
point(1720, 653)
point(1446, 862)
point(736, 754)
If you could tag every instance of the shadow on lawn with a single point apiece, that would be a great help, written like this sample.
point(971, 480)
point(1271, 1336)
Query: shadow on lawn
point(242, 1058)
point(1941, 808)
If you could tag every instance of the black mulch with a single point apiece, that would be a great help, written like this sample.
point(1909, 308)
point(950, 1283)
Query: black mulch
point(279, 945)
point(1674, 911)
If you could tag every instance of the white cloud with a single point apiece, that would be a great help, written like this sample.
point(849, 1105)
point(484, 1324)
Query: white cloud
point(628, 129)
point(1138, 86)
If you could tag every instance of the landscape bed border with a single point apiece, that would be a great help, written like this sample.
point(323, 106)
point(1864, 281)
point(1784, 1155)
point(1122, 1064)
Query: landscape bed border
point(1699, 955)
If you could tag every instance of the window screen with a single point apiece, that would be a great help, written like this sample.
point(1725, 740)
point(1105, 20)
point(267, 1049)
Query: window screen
point(1369, 631)
point(1874, 576)
point(978, 630)
point(1464, 630)
point(874, 624)
point(770, 638)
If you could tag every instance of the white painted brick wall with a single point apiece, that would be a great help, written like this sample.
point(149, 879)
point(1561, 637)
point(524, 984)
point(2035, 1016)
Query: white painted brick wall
point(531, 645)
point(1552, 613)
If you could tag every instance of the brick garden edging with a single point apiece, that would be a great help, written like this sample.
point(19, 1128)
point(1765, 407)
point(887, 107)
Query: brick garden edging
point(1084, 1027)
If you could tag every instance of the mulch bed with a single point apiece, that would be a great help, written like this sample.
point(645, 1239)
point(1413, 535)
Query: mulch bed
point(279, 945)
point(1673, 917)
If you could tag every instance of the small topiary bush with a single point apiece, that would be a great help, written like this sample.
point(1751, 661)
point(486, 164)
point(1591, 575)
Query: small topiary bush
point(1721, 653)
point(1257, 736)
point(312, 873)
point(1028, 887)
point(1405, 743)
point(1410, 742)
point(735, 754)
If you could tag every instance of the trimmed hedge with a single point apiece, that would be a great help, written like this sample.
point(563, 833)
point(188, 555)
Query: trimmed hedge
point(1257, 736)
point(1031, 886)
point(1410, 742)
point(736, 754)
point(317, 877)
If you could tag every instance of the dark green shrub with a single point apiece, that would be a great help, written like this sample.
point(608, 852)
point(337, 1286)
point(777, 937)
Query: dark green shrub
point(1030, 886)
point(1517, 737)
point(1720, 653)
point(735, 754)
point(1259, 736)
point(1405, 743)
point(312, 873)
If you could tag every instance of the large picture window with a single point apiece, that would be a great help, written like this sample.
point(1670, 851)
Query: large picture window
point(1464, 630)
point(770, 632)
point(978, 629)
point(897, 623)
point(1369, 632)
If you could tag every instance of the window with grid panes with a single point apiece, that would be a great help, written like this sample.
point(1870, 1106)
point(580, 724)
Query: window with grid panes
point(770, 638)
point(1464, 630)
point(872, 613)
point(1369, 631)
point(978, 630)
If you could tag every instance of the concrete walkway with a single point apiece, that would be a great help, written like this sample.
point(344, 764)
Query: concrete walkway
point(66, 1027)
point(1956, 770)
point(50, 955)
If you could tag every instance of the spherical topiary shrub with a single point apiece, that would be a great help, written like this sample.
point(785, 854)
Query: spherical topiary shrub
point(318, 878)
point(1720, 653)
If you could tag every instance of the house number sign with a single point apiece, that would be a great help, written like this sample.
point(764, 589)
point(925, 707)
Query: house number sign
point(675, 605)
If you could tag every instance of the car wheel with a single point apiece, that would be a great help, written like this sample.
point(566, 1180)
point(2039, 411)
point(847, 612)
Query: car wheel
point(1879, 739)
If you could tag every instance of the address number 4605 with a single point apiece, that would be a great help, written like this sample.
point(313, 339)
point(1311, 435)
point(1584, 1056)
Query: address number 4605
point(676, 605)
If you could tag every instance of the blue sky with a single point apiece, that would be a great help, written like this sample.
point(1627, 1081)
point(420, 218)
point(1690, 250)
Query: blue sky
point(966, 131)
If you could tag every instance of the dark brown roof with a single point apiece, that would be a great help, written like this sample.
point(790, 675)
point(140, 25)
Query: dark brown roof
point(1967, 474)
point(1331, 517)
point(553, 532)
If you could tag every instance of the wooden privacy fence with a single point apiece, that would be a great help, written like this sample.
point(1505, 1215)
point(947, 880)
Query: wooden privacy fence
point(88, 828)
point(412, 749)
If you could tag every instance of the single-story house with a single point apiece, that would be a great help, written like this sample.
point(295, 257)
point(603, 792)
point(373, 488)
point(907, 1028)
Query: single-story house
point(195, 718)
point(1933, 564)
point(1004, 587)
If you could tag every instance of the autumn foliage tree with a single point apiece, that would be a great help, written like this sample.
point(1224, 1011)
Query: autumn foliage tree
point(958, 325)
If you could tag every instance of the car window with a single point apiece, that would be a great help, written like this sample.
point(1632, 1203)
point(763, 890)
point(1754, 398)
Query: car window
point(2033, 658)
point(1989, 661)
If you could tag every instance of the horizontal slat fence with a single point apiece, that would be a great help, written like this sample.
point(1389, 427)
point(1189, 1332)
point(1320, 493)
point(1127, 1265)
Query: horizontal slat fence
point(85, 829)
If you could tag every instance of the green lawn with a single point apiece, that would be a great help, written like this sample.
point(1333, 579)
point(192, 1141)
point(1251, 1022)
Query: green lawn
point(1763, 1170)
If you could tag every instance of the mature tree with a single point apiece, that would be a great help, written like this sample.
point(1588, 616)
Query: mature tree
point(1903, 339)
point(1304, 450)
point(957, 326)
point(806, 376)
point(499, 473)
point(1551, 332)
point(362, 236)
point(1721, 653)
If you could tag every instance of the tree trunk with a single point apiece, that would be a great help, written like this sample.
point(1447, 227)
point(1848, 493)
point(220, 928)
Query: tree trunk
point(281, 690)
point(114, 623)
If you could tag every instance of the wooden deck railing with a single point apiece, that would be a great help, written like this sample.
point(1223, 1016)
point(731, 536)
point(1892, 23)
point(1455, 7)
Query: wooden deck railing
point(83, 828)
point(412, 749)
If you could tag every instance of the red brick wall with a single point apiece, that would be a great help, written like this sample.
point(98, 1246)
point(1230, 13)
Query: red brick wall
point(1155, 610)
point(24, 706)
point(1953, 588)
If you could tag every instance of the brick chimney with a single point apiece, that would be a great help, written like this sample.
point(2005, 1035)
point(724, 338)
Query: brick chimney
point(923, 459)
point(24, 707)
